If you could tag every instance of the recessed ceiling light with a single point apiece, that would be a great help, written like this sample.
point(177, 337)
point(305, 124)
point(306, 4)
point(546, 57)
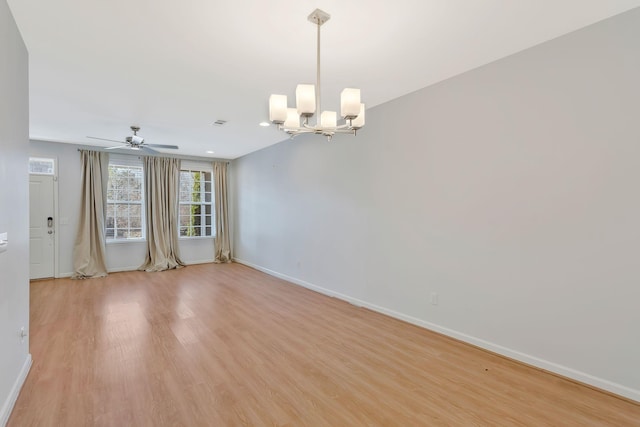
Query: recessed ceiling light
point(210, 152)
point(264, 124)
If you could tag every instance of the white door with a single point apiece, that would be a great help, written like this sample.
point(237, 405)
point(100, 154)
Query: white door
point(41, 227)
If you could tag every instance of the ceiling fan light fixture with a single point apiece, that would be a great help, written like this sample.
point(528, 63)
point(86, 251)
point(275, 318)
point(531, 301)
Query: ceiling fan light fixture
point(308, 103)
point(135, 142)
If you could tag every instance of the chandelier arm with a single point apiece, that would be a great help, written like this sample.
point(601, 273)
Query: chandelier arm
point(344, 126)
point(348, 130)
point(298, 131)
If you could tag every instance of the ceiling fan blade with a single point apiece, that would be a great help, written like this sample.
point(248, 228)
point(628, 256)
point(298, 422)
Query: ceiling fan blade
point(114, 148)
point(147, 149)
point(173, 147)
point(104, 139)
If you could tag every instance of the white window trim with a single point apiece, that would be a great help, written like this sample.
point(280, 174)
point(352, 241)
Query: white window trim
point(129, 161)
point(195, 166)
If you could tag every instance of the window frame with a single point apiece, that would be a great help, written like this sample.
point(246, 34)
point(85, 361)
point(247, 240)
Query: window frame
point(50, 160)
point(126, 162)
point(203, 168)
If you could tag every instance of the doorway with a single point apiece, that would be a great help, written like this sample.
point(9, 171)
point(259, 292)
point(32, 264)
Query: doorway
point(41, 221)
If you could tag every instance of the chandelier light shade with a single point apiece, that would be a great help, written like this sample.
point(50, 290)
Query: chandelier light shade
point(308, 103)
point(293, 119)
point(306, 100)
point(278, 108)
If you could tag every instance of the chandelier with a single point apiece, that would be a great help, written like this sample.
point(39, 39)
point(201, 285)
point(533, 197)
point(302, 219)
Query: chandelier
point(308, 103)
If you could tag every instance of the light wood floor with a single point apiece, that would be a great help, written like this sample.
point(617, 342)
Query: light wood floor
point(225, 345)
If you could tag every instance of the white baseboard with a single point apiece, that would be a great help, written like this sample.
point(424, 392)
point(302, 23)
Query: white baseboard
point(205, 261)
point(8, 404)
point(564, 371)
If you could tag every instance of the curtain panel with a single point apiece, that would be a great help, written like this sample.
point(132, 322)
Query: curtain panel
point(161, 185)
point(222, 243)
point(89, 248)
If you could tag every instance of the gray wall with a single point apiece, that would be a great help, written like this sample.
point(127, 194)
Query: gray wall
point(511, 191)
point(14, 210)
point(121, 256)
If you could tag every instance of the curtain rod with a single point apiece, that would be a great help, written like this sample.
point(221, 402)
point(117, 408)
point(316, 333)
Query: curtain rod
point(200, 159)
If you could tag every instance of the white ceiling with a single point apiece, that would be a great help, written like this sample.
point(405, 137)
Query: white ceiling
point(174, 67)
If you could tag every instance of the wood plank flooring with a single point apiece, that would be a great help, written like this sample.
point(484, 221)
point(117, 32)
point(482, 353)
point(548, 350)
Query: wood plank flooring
point(226, 345)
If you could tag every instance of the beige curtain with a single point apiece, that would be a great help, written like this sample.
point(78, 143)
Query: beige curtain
point(222, 245)
point(89, 249)
point(162, 180)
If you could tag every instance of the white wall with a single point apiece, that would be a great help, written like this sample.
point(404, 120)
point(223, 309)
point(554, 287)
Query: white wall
point(511, 191)
point(14, 211)
point(121, 256)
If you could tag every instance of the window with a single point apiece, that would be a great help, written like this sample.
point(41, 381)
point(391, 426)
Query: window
point(196, 214)
point(39, 166)
point(125, 197)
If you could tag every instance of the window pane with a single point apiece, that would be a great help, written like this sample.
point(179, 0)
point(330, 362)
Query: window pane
point(135, 216)
point(195, 209)
point(120, 193)
point(124, 212)
point(41, 166)
point(134, 233)
point(185, 221)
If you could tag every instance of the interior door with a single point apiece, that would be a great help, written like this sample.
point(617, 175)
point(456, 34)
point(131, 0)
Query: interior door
point(41, 227)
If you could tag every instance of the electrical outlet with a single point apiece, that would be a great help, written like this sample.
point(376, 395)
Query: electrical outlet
point(23, 334)
point(434, 298)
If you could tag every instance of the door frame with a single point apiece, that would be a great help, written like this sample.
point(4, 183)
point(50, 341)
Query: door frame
point(56, 213)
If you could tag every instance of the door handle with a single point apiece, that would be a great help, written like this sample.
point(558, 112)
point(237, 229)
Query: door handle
point(50, 232)
point(50, 222)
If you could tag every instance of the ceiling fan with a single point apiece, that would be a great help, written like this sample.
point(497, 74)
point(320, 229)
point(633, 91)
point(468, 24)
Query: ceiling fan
point(135, 142)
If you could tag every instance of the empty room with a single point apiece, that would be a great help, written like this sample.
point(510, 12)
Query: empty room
point(297, 213)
